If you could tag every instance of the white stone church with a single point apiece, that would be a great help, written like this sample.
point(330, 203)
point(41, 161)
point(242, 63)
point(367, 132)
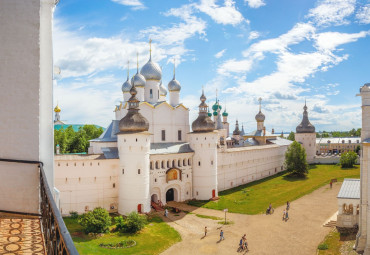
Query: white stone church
point(149, 154)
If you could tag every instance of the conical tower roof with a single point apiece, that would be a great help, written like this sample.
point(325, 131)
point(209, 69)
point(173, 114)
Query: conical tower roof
point(305, 126)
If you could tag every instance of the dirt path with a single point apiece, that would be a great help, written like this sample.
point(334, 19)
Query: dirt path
point(266, 234)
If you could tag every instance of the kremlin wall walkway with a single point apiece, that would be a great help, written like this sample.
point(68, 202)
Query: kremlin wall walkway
point(266, 234)
point(21, 234)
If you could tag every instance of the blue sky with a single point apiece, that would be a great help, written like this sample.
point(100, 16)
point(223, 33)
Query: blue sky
point(283, 51)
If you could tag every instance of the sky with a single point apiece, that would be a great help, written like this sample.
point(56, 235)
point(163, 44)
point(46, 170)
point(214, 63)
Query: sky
point(284, 51)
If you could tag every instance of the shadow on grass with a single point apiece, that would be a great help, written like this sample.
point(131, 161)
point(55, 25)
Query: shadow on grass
point(294, 177)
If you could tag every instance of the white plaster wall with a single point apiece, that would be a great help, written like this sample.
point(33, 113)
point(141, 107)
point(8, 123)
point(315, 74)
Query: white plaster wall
point(19, 189)
point(308, 141)
point(204, 164)
point(174, 98)
point(154, 85)
point(238, 166)
point(95, 147)
point(134, 187)
point(86, 181)
point(26, 128)
point(158, 180)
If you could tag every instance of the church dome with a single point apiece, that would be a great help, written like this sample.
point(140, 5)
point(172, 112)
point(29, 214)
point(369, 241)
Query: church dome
point(126, 86)
point(215, 113)
point(216, 106)
point(162, 90)
point(225, 114)
point(174, 85)
point(151, 71)
point(260, 117)
point(133, 121)
point(57, 109)
point(203, 123)
point(138, 80)
point(305, 126)
point(209, 114)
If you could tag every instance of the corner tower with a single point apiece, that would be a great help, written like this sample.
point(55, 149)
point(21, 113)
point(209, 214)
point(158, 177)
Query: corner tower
point(133, 142)
point(203, 140)
point(306, 135)
point(363, 238)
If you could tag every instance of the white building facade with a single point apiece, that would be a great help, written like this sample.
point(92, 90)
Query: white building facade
point(148, 154)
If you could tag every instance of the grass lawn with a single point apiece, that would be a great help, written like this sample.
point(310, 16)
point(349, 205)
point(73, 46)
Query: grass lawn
point(338, 244)
point(153, 239)
point(254, 197)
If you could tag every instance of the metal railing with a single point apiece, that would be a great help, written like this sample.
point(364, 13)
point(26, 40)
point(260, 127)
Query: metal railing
point(56, 235)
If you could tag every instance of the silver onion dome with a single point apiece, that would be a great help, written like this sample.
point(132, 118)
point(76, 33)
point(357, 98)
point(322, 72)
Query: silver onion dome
point(126, 86)
point(151, 71)
point(138, 80)
point(174, 85)
point(162, 90)
point(260, 117)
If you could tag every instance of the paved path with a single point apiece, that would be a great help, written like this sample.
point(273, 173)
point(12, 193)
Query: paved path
point(266, 234)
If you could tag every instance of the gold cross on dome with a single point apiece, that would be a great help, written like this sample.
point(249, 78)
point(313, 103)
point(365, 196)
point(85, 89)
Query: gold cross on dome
point(150, 47)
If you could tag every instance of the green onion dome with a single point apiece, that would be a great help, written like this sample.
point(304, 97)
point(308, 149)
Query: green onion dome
point(215, 113)
point(216, 105)
point(225, 114)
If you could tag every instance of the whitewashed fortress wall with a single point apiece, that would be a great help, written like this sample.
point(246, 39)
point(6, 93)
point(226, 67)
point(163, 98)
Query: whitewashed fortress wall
point(238, 166)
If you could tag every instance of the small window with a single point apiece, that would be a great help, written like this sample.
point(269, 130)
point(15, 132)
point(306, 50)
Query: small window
point(138, 171)
point(151, 165)
point(179, 135)
point(179, 163)
point(184, 162)
point(198, 163)
point(187, 176)
point(123, 171)
point(342, 141)
point(162, 164)
point(197, 193)
point(156, 165)
point(212, 162)
point(168, 163)
point(114, 185)
point(173, 163)
point(155, 180)
point(151, 93)
point(189, 161)
point(136, 139)
point(163, 135)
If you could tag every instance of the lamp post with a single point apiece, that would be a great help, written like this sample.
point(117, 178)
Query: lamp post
point(225, 210)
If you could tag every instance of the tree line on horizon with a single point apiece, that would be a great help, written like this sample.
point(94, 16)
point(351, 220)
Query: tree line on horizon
point(324, 134)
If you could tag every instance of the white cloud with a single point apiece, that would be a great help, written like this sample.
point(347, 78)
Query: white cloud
point(235, 66)
point(363, 15)
point(220, 53)
point(253, 35)
point(255, 3)
point(332, 12)
point(226, 14)
point(134, 4)
point(331, 40)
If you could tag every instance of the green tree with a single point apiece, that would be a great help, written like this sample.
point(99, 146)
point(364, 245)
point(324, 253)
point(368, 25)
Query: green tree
point(96, 221)
point(132, 224)
point(75, 142)
point(295, 159)
point(291, 136)
point(358, 148)
point(348, 159)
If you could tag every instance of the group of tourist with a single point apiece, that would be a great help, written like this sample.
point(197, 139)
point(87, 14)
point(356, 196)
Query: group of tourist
point(243, 245)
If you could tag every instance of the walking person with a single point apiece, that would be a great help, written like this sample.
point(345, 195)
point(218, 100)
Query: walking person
point(331, 184)
point(205, 231)
point(284, 214)
point(287, 205)
point(166, 212)
point(241, 247)
point(246, 245)
point(222, 235)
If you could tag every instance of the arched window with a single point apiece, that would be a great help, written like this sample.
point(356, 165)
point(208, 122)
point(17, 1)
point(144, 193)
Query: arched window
point(162, 164)
point(151, 93)
point(168, 163)
point(151, 165)
point(179, 163)
point(184, 162)
point(189, 162)
point(157, 165)
point(173, 163)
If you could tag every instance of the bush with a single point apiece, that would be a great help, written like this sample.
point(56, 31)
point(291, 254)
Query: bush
point(295, 159)
point(132, 224)
point(348, 159)
point(323, 246)
point(96, 221)
point(74, 215)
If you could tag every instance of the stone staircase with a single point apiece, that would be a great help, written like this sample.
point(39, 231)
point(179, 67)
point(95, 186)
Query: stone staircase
point(331, 224)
